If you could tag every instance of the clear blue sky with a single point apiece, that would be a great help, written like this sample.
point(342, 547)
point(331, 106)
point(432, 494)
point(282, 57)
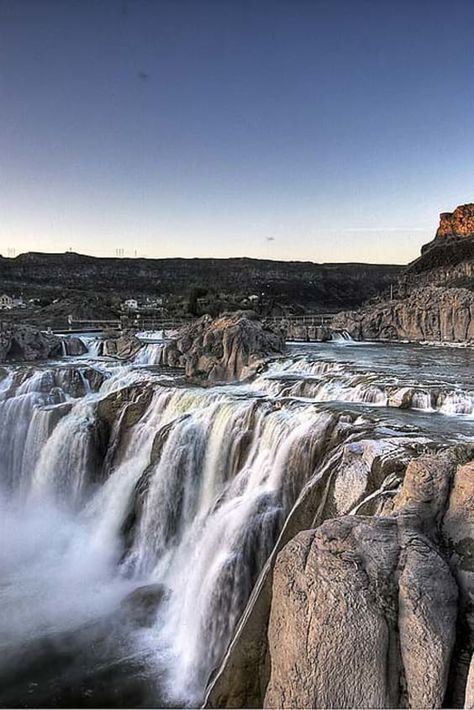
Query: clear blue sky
point(327, 130)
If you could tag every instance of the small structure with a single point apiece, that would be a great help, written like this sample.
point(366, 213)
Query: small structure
point(131, 304)
point(6, 302)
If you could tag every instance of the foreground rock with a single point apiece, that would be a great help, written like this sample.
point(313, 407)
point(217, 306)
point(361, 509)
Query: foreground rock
point(226, 349)
point(24, 343)
point(367, 611)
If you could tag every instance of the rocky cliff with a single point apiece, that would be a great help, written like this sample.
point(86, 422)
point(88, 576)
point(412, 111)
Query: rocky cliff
point(370, 610)
point(72, 278)
point(225, 349)
point(434, 296)
point(457, 224)
point(432, 313)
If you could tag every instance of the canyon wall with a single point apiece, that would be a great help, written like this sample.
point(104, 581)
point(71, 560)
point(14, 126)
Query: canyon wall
point(433, 299)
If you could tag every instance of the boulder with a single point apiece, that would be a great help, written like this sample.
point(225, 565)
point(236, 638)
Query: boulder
point(363, 611)
point(226, 349)
point(24, 343)
point(122, 347)
point(72, 345)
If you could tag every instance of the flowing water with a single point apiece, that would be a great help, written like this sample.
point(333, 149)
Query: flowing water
point(118, 483)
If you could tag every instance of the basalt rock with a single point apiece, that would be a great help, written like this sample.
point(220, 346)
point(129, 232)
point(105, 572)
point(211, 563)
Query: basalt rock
point(457, 224)
point(226, 349)
point(354, 602)
point(433, 298)
point(432, 313)
point(24, 343)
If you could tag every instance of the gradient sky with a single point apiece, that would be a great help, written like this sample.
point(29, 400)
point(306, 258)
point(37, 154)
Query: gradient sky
point(327, 130)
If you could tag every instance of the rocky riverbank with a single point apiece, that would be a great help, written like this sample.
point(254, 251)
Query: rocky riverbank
point(433, 313)
point(434, 297)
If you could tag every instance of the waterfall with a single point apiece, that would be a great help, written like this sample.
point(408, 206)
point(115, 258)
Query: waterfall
point(341, 336)
point(112, 477)
point(322, 381)
point(149, 354)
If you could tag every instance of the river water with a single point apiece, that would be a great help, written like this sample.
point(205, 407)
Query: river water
point(186, 489)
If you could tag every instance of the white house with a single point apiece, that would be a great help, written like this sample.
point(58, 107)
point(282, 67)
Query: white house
point(6, 301)
point(131, 304)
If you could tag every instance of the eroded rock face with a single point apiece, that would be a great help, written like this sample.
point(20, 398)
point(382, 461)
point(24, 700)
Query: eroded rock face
point(226, 349)
point(364, 609)
point(459, 223)
point(433, 298)
point(24, 343)
point(432, 313)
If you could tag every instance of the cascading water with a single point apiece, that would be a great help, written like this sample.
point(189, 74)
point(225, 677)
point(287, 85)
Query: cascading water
point(113, 478)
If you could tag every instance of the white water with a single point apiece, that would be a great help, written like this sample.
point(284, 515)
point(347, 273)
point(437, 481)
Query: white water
point(191, 494)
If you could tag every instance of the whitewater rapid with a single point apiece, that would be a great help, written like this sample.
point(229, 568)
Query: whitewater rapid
point(114, 476)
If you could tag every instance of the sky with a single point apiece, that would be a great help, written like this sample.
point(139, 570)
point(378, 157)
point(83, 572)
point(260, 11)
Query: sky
point(316, 130)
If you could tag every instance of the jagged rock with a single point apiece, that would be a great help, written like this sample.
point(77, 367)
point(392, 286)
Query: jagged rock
point(433, 298)
point(122, 347)
point(127, 404)
point(225, 349)
point(24, 343)
point(459, 223)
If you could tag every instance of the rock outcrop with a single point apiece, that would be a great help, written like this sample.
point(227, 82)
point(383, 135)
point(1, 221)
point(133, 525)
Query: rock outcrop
point(433, 299)
point(226, 349)
point(457, 224)
point(23, 343)
point(366, 611)
point(121, 346)
point(73, 346)
point(432, 313)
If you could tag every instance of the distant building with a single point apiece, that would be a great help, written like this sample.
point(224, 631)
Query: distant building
point(131, 304)
point(6, 301)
